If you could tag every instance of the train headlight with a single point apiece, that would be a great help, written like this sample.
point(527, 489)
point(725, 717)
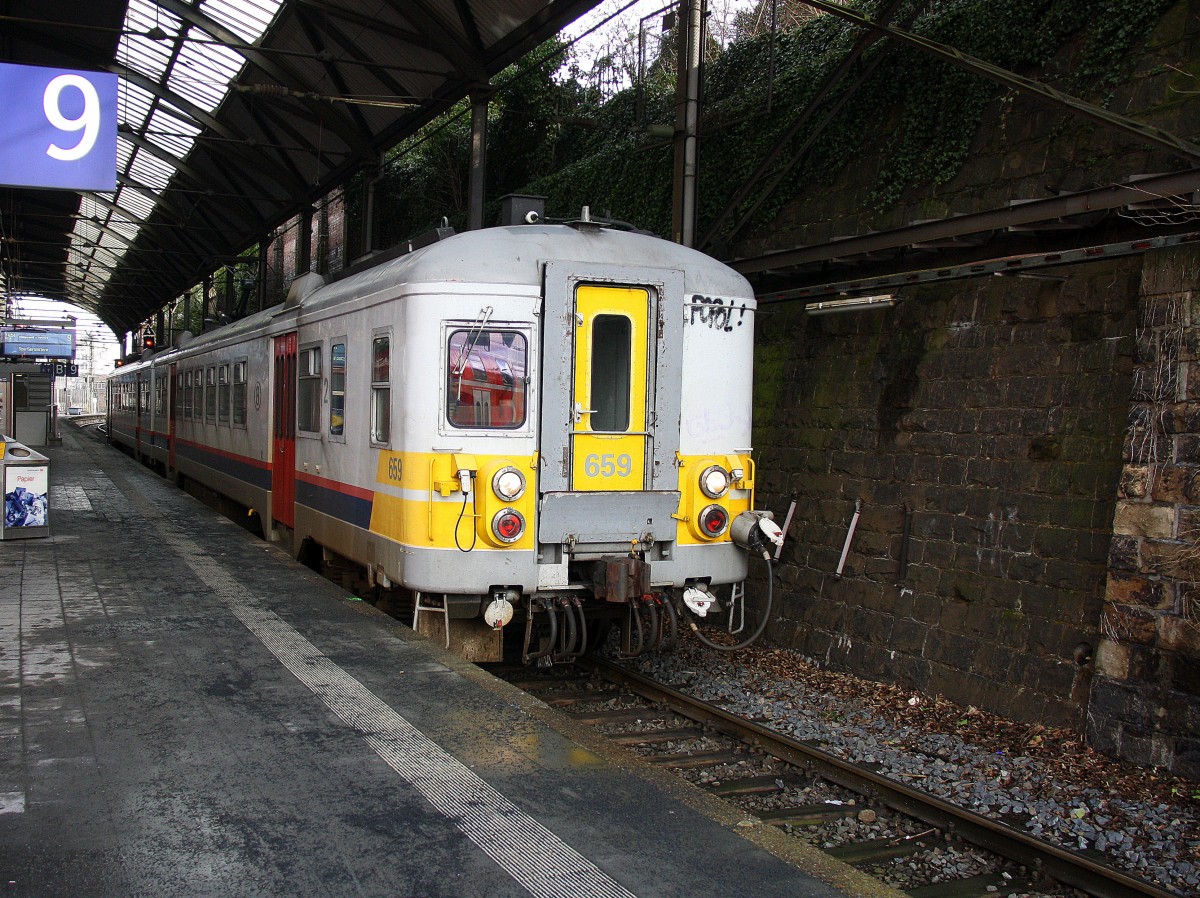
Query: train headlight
point(508, 524)
point(714, 481)
point(714, 521)
point(509, 484)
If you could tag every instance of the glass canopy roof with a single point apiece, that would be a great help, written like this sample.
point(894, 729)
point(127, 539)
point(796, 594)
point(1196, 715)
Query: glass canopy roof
point(233, 115)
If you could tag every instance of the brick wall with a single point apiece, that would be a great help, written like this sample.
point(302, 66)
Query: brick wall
point(1145, 702)
point(991, 411)
point(1041, 439)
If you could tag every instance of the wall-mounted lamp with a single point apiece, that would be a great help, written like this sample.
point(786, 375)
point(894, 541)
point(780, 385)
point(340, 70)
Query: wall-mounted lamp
point(851, 304)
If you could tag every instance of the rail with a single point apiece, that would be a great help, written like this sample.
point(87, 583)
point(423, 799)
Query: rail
point(1090, 876)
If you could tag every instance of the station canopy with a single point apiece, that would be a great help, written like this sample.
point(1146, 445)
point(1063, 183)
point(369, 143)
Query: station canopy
point(233, 115)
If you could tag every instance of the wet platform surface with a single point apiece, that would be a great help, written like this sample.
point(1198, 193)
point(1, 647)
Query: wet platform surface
point(184, 711)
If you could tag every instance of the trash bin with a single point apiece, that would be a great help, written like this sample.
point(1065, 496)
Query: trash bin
point(26, 491)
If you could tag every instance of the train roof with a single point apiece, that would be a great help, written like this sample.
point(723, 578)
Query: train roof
point(512, 255)
point(515, 255)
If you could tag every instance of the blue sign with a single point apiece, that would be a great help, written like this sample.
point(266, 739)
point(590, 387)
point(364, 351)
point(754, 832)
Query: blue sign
point(32, 344)
point(58, 129)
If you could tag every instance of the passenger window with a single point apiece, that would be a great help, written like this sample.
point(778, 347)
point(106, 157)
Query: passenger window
point(337, 389)
point(308, 410)
point(210, 394)
point(487, 383)
point(239, 394)
point(381, 388)
point(612, 338)
point(223, 394)
point(187, 395)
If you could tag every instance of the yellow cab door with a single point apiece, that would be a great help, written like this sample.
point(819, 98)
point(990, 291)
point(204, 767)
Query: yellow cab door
point(609, 427)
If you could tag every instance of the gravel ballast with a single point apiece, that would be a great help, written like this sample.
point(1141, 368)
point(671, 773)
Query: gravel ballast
point(1042, 780)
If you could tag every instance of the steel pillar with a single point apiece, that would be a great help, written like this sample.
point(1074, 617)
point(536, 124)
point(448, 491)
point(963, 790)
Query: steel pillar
point(687, 121)
point(477, 185)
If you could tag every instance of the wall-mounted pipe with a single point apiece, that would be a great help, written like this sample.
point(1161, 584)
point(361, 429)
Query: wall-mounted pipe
point(849, 536)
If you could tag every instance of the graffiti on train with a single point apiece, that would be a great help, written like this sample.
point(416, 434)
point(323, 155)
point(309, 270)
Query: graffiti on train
point(713, 312)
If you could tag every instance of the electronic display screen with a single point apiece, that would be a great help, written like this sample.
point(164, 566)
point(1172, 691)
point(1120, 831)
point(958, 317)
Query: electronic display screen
point(33, 344)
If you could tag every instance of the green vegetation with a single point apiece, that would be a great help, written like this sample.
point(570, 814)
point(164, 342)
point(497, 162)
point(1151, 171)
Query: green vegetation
point(557, 138)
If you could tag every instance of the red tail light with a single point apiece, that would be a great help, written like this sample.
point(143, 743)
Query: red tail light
point(508, 525)
point(714, 521)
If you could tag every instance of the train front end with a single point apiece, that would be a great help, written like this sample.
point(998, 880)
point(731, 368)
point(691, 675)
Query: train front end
point(593, 467)
point(646, 473)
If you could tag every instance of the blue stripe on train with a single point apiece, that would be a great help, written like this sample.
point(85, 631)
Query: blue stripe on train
point(334, 503)
point(242, 470)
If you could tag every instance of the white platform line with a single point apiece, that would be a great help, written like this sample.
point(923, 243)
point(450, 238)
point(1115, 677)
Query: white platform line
point(530, 853)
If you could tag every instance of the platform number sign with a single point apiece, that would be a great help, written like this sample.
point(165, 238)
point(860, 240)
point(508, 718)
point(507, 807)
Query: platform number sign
point(59, 128)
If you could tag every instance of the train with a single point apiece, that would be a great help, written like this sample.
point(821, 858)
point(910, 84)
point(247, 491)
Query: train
point(538, 430)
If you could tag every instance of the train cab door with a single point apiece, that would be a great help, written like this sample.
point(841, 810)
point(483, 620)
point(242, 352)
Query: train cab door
point(610, 400)
point(171, 395)
point(283, 469)
point(608, 414)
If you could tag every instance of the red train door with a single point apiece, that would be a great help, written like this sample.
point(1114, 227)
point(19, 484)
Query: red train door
point(172, 394)
point(283, 472)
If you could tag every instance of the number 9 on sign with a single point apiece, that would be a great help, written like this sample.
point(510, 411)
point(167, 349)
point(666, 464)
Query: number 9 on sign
point(59, 128)
point(88, 121)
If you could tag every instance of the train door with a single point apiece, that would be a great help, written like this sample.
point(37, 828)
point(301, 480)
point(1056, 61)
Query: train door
point(611, 377)
point(608, 388)
point(283, 475)
point(172, 392)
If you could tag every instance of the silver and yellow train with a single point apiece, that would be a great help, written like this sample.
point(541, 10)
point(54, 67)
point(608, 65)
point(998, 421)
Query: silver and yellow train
point(546, 422)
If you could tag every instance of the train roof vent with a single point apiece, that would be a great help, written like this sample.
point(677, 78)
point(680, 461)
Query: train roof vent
point(303, 287)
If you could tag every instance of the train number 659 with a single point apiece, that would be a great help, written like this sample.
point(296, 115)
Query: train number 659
point(607, 465)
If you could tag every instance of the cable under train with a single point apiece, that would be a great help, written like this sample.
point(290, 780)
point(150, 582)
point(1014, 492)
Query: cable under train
point(544, 425)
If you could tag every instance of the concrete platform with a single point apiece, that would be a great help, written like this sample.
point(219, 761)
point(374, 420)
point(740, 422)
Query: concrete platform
point(184, 711)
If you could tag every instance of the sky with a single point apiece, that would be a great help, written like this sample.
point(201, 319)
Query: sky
point(624, 17)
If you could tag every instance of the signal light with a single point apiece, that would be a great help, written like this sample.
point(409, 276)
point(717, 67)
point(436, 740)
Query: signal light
point(119, 363)
point(508, 483)
point(714, 482)
point(508, 525)
point(714, 520)
point(148, 341)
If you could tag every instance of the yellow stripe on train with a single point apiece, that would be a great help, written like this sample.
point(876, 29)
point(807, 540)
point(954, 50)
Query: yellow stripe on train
point(419, 499)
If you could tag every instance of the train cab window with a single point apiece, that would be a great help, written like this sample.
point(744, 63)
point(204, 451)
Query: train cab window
point(612, 338)
point(160, 396)
point(210, 394)
point(178, 395)
point(223, 394)
point(381, 388)
point(239, 394)
point(487, 382)
point(308, 406)
point(337, 388)
point(187, 395)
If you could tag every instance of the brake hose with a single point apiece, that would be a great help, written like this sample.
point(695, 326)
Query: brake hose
point(762, 625)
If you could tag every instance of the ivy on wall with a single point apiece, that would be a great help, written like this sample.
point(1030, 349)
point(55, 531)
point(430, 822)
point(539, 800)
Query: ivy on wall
point(915, 115)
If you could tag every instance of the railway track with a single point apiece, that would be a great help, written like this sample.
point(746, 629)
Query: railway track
point(800, 788)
